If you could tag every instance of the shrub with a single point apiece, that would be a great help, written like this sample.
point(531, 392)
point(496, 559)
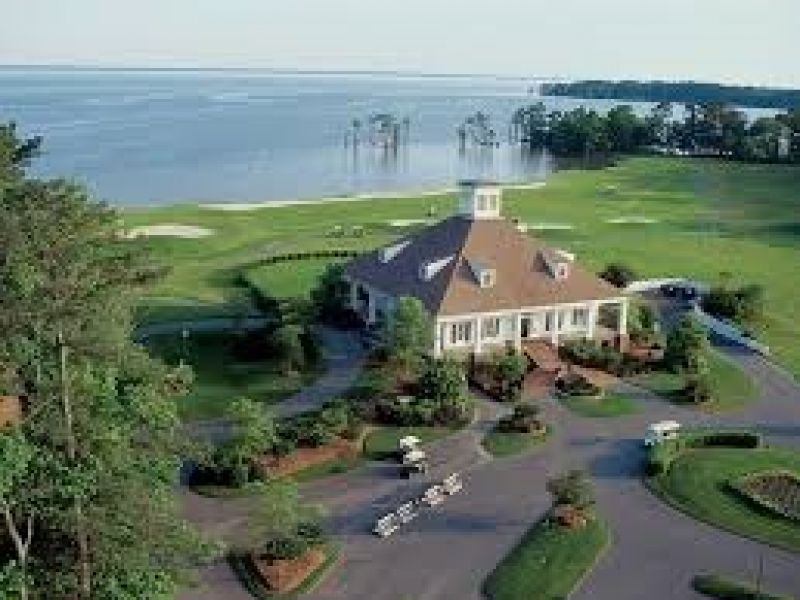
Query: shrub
point(524, 419)
point(618, 274)
point(698, 388)
point(687, 345)
point(587, 353)
point(661, 456)
point(572, 488)
point(726, 439)
point(744, 305)
point(575, 384)
point(726, 589)
point(508, 370)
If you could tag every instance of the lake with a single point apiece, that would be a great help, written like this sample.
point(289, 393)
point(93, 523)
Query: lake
point(165, 136)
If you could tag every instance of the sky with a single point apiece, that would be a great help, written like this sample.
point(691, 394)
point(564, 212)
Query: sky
point(739, 41)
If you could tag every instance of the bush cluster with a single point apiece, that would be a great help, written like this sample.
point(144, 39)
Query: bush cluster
point(661, 456)
point(587, 353)
point(575, 384)
point(523, 419)
point(307, 535)
point(744, 305)
point(336, 419)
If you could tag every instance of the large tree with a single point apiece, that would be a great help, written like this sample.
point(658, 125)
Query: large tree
point(100, 416)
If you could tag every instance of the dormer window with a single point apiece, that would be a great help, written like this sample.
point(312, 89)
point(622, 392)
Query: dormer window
point(428, 270)
point(558, 262)
point(487, 278)
point(388, 253)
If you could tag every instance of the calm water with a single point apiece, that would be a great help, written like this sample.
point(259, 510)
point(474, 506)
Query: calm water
point(137, 137)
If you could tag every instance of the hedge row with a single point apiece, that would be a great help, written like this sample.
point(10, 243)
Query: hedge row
point(293, 256)
point(661, 456)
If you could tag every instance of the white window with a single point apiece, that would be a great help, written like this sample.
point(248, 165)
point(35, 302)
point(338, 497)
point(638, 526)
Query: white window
point(481, 202)
point(461, 333)
point(487, 278)
point(580, 318)
point(491, 328)
point(548, 322)
point(493, 203)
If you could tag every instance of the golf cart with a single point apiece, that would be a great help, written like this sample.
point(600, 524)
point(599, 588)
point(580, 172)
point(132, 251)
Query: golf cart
point(660, 432)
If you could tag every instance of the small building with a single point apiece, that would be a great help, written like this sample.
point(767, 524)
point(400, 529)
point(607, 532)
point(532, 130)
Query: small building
point(487, 284)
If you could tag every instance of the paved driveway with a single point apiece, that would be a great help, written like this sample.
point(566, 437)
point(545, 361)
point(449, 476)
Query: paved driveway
point(447, 552)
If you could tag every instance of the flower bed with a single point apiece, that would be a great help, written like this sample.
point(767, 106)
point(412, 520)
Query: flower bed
point(304, 458)
point(286, 575)
point(775, 491)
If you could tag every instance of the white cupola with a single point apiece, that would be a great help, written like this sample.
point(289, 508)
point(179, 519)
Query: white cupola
point(480, 200)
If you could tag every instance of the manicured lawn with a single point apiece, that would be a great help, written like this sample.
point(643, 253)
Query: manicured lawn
point(221, 377)
point(336, 466)
point(611, 405)
point(381, 443)
point(548, 563)
point(733, 389)
point(503, 443)
point(722, 588)
point(290, 279)
point(697, 483)
point(713, 220)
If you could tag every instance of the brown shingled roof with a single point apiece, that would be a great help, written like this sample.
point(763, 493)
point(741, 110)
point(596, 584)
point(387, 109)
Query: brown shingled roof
point(522, 277)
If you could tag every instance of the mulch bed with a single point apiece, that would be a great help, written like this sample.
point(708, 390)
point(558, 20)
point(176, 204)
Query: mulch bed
point(283, 576)
point(303, 458)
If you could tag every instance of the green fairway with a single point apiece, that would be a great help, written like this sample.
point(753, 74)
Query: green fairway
point(510, 443)
point(708, 219)
point(548, 563)
point(697, 483)
point(610, 405)
point(220, 377)
point(732, 388)
point(290, 279)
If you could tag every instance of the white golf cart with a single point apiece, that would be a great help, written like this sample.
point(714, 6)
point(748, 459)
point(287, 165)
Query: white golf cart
point(660, 432)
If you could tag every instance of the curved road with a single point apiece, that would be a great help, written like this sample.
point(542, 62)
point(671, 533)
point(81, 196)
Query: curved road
point(447, 551)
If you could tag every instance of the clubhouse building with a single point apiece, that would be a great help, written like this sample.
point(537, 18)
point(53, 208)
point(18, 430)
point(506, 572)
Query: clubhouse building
point(487, 284)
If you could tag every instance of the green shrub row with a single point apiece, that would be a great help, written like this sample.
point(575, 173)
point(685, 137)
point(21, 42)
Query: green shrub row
point(661, 456)
point(721, 588)
point(310, 254)
point(337, 418)
point(587, 353)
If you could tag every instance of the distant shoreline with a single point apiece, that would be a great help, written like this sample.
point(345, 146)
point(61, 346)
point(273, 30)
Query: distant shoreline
point(249, 206)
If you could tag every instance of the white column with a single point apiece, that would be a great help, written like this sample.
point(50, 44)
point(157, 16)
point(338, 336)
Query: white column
point(476, 331)
point(554, 330)
point(623, 317)
point(438, 338)
point(594, 309)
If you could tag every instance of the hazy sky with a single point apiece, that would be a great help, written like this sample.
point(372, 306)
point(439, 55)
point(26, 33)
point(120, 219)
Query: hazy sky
point(752, 41)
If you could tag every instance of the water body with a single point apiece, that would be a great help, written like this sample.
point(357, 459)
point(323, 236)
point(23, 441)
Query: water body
point(166, 136)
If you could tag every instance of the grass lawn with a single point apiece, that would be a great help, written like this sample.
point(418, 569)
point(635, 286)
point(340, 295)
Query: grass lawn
point(733, 389)
point(503, 443)
point(336, 466)
point(697, 483)
point(220, 377)
point(382, 442)
point(548, 563)
point(612, 405)
point(712, 220)
point(290, 279)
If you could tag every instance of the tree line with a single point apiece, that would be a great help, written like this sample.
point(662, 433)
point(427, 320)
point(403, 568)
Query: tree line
point(698, 129)
point(683, 92)
point(88, 472)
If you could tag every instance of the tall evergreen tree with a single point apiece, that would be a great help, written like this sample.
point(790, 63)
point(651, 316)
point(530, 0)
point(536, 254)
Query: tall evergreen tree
point(100, 416)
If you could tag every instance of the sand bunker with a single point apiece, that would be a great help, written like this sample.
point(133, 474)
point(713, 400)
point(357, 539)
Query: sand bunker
point(409, 222)
point(169, 230)
point(631, 221)
point(546, 226)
